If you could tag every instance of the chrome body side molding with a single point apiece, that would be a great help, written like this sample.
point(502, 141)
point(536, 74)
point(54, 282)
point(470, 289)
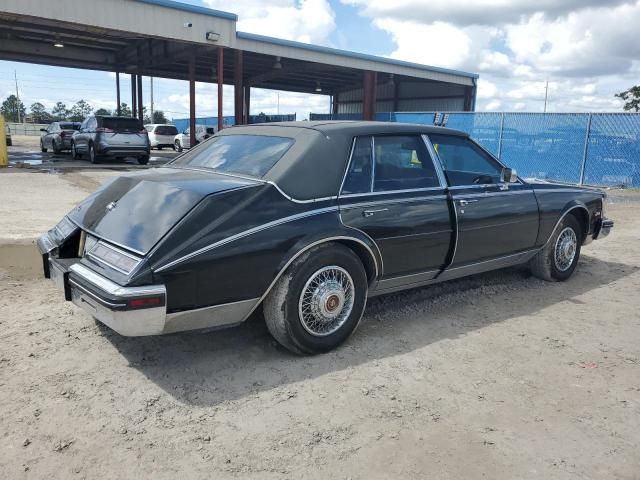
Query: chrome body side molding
point(216, 316)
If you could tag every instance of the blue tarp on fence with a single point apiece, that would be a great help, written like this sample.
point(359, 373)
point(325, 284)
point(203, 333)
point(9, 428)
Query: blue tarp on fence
point(590, 148)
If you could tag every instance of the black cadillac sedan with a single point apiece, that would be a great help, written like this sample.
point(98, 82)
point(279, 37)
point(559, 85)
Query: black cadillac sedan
point(306, 221)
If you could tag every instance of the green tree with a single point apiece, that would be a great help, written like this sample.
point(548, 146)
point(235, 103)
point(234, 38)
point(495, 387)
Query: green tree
point(125, 111)
point(103, 111)
point(60, 112)
point(631, 98)
point(80, 111)
point(158, 117)
point(12, 109)
point(39, 113)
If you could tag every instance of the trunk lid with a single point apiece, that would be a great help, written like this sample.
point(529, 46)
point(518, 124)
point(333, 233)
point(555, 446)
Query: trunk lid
point(136, 211)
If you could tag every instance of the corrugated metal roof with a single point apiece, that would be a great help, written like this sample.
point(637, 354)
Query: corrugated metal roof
point(192, 8)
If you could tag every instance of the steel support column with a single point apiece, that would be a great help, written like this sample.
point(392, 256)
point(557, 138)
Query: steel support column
point(134, 102)
point(140, 107)
point(369, 95)
point(247, 103)
point(118, 94)
point(192, 100)
point(220, 80)
point(468, 94)
point(238, 92)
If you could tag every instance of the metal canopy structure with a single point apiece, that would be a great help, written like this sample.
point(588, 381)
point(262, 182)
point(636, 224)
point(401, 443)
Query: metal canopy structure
point(168, 39)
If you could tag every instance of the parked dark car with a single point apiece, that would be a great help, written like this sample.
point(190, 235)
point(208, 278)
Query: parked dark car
point(308, 220)
point(119, 137)
point(57, 136)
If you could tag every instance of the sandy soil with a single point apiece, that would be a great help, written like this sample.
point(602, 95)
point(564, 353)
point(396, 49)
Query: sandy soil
point(496, 376)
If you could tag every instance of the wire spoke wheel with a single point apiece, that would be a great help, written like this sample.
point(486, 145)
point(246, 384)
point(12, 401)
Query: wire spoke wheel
point(326, 301)
point(565, 249)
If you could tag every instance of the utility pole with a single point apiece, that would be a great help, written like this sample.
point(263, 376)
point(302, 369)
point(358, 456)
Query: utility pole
point(15, 76)
point(546, 95)
point(151, 99)
point(278, 107)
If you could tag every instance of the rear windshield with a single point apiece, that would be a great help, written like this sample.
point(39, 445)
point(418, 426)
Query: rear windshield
point(122, 124)
point(252, 155)
point(166, 130)
point(70, 126)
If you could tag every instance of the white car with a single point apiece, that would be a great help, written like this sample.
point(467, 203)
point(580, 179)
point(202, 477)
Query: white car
point(161, 135)
point(183, 140)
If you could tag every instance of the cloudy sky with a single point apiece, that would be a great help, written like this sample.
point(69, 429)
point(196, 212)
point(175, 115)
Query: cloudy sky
point(588, 50)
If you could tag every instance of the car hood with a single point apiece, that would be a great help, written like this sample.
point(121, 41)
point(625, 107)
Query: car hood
point(551, 184)
point(135, 211)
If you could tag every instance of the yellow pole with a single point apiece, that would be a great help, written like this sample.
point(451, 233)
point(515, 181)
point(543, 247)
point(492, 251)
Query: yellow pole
point(4, 157)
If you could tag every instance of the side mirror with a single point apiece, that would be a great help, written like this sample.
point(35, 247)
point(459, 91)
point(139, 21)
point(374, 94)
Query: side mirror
point(508, 175)
point(43, 129)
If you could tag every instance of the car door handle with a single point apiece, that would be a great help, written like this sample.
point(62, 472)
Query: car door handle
point(369, 213)
point(464, 203)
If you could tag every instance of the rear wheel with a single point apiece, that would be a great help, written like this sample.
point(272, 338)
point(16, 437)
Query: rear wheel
point(319, 300)
point(74, 152)
point(558, 259)
point(143, 160)
point(177, 147)
point(93, 156)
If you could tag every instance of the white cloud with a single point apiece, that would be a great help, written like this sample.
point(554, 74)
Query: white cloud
point(309, 21)
point(587, 49)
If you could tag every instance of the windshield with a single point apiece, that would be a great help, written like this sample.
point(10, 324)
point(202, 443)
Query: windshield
point(166, 130)
point(70, 126)
point(252, 155)
point(122, 124)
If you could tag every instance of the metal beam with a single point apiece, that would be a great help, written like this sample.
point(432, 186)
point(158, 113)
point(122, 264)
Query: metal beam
point(118, 93)
point(192, 100)
point(140, 103)
point(134, 102)
point(237, 86)
point(220, 80)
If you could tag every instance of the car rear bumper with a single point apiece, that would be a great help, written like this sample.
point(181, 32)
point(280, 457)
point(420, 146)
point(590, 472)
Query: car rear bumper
point(118, 150)
point(112, 304)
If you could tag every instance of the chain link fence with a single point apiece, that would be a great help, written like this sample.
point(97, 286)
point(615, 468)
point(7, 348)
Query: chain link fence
point(600, 149)
point(584, 148)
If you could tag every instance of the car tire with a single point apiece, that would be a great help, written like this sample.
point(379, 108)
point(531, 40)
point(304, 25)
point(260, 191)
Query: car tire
point(159, 148)
point(306, 320)
point(93, 156)
point(177, 146)
point(74, 153)
point(558, 259)
point(143, 160)
point(56, 150)
point(42, 149)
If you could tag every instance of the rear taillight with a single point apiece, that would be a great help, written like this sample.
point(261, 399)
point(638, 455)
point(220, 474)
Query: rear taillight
point(104, 130)
point(145, 302)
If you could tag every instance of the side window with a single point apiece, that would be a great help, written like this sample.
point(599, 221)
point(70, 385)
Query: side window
point(402, 162)
point(464, 163)
point(358, 178)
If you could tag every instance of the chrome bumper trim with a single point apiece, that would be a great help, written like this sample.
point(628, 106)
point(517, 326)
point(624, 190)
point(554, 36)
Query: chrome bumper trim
point(86, 287)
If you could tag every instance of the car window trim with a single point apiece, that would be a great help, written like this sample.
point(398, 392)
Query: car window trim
point(471, 185)
point(434, 161)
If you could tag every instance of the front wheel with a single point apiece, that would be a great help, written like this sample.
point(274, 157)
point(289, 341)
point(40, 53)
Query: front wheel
point(143, 160)
point(319, 300)
point(558, 259)
point(56, 149)
point(42, 149)
point(177, 147)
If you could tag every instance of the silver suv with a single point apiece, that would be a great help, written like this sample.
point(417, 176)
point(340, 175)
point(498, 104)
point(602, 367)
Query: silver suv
point(117, 137)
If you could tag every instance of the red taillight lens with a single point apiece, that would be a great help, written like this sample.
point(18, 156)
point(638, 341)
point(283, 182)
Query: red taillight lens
point(145, 302)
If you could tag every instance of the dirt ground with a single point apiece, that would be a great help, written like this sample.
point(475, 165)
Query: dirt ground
point(498, 376)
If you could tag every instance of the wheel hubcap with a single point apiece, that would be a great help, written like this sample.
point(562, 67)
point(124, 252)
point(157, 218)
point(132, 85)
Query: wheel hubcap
point(565, 249)
point(326, 301)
